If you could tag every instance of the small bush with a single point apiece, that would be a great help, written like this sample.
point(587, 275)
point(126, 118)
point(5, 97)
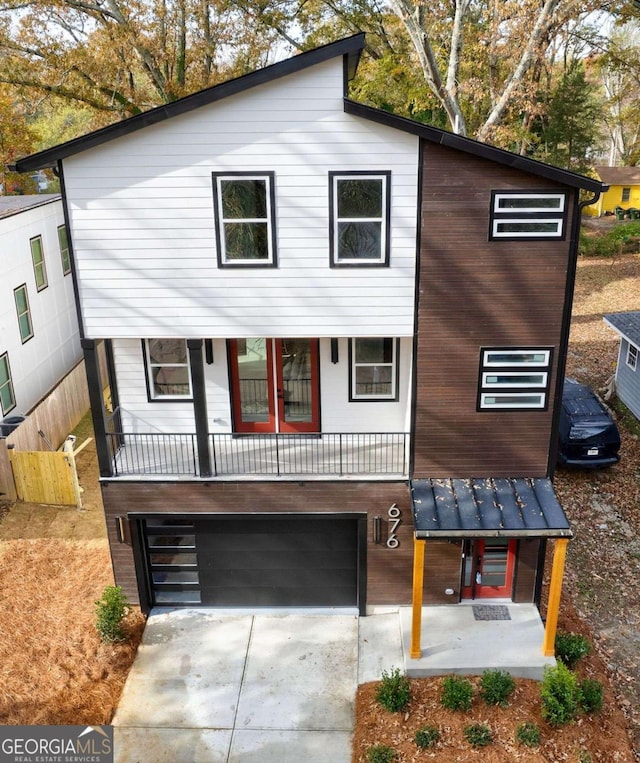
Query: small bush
point(393, 691)
point(457, 693)
point(528, 734)
point(381, 753)
point(111, 609)
point(426, 737)
point(571, 647)
point(592, 695)
point(560, 694)
point(478, 735)
point(496, 686)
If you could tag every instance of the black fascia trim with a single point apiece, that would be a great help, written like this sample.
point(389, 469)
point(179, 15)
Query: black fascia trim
point(145, 362)
point(72, 258)
point(474, 147)
point(548, 369)
point(386, 255)
point(396, 397)
point(248, 264)
point(349, 46)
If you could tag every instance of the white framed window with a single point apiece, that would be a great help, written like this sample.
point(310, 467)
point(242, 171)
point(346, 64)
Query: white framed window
point(168, 371)
point(514, 378)
point(23, 311)
point(39, 267)
point(527, 215)
point(7, 395)
point(373, 365)
point(245, 218)
point(63, 242)
point(632, 356)
point(359, 216)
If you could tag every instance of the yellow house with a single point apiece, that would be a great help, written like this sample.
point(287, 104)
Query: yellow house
point(624, 190)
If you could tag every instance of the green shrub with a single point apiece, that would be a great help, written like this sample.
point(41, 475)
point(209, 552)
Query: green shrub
point(496, 686)
point(571, 647)
point(560, 695)
point(427, 737)
point(528, 734)
point(111, 609)
point(478, 735)
point(393, 691)
point(591, 695)
point(381, 753)
point(457, 693)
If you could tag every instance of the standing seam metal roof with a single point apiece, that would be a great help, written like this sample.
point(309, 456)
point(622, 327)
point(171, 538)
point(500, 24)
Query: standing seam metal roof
point(487, 507)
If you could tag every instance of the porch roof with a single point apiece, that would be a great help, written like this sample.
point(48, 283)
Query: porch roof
point(487, 507)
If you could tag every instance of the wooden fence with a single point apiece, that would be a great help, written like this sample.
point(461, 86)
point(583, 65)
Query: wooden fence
point(44, 430)
point(43, 477)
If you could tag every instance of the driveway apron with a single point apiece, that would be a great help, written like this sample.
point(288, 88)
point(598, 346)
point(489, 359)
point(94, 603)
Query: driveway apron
point(207, 686)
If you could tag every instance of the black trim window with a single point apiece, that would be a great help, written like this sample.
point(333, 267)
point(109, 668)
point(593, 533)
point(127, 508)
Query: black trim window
point(23, 312)
point(63, 241)
point(360, 213)
point(7, 395)
point(245, 218)
point(518, 215)
point(39, 267)
point(168, 371)
point(514, 378)
point(373, 367)
point(632, 356)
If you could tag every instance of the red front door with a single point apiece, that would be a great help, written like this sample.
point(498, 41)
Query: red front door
point(487, 568)
point(274, 385)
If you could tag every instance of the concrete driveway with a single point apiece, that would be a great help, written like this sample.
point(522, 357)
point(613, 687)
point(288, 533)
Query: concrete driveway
point(211, 687)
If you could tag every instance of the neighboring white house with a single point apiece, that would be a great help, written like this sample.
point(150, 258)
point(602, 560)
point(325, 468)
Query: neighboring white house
point(39, 336)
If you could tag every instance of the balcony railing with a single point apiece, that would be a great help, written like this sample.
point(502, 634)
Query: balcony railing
point(319, 455)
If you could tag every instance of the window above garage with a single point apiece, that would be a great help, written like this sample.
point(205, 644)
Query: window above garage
point(523, 215)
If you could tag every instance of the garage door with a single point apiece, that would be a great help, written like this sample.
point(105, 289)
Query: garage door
point(255, 561)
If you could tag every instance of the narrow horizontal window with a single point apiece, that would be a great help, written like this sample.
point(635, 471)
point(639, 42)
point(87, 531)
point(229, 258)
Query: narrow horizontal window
point(374, 369)
point(512, 400)
point(516, 357)
point(523, 227)
point(528, 202)
point(514, 380)
point(527, 215)
point(168, 373)
point(245, 218)
point(359, 218)
point(632, 357)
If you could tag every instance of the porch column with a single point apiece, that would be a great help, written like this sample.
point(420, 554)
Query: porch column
point(555, 592)
point(418, 584)
point(194, 347)
point(96, 400)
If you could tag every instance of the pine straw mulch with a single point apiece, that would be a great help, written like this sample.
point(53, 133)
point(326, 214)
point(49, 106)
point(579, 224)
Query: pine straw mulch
point(53, 667)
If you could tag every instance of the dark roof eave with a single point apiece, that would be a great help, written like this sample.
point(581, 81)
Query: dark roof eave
point(456, 534)
point(351, 47)
point(474, 147)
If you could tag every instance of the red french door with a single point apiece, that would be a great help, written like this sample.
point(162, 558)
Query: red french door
point(274, 385)
point(487, 568)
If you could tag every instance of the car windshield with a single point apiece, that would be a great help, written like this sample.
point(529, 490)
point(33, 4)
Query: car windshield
point(586, 430)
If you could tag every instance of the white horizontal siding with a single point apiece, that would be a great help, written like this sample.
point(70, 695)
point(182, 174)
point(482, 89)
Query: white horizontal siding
point(143, 222)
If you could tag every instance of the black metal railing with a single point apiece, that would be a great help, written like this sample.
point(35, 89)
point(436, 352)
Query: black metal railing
point(318, 454)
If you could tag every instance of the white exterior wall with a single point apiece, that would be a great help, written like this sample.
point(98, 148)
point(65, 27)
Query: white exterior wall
point(40, 363)
point(142, 218)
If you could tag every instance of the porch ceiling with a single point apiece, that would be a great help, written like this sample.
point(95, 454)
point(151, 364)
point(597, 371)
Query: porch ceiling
point(487, 507)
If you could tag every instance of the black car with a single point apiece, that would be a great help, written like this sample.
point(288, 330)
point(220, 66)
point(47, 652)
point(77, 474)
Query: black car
point(588, 437)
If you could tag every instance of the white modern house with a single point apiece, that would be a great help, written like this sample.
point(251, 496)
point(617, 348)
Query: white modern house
point(39, 336)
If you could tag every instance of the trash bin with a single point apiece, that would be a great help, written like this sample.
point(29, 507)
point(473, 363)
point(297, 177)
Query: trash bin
point(634, 213)
point(620, 213)
point(8, 424)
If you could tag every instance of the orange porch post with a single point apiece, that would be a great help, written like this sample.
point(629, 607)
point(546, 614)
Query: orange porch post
point(555, 592)
point(416, 604)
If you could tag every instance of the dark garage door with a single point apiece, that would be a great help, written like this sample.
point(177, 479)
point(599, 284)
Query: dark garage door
point(254, 561)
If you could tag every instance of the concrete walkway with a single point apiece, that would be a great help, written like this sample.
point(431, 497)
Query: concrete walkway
point(218, 687)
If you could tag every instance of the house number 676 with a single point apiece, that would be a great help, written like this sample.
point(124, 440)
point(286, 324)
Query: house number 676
point(394, 522)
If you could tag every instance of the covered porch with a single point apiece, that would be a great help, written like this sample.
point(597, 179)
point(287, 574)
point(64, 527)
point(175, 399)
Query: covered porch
point(487, 508)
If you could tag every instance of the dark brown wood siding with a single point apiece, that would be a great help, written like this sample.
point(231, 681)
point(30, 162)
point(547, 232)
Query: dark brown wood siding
point(442, 571)
point(526, 570)
point(478, 293)
point(389, 571)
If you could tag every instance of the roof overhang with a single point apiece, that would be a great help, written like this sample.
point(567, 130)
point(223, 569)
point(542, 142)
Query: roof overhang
point(626, 325)
point(487, 508)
